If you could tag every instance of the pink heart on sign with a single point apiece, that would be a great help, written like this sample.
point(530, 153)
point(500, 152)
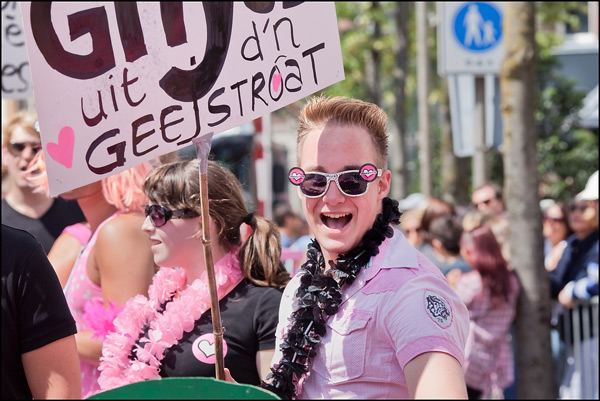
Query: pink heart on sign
point(276, 81)
point(62, 151)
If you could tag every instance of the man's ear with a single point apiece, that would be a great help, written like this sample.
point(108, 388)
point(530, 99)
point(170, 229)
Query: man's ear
point(383, 186)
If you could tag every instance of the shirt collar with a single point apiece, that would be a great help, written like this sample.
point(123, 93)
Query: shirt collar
point(395, 252)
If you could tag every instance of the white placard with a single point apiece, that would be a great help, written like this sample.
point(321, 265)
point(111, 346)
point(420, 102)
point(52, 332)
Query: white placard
point(117, 84)
point(16, 76)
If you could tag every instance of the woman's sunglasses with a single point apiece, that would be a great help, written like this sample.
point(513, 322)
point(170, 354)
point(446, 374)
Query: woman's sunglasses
point(16, 148)
point(160, 215)
point(578, 207)
point(350, 182)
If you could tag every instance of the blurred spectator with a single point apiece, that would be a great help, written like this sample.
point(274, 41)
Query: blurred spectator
point(67, 245)
point(39, 354)
point(22, 207)
point(290, 224)
point(490, 293)
point(498, 224)
point(576, 278)
point(489, 197)
point(476, 218)
point(301, 245)
point(580, 249)
point(410, 222)
point(434, 209)
point(66, 248)
point(445, 240)
point(556, 229)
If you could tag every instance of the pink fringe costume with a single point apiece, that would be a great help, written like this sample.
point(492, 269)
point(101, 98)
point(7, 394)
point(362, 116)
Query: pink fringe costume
point(83, 296)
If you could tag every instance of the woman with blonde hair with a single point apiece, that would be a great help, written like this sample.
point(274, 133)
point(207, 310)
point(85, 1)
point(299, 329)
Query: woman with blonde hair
point(23, 207)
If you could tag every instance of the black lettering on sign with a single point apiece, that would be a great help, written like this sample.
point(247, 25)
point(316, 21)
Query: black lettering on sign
point(117, 149)
point(10, 71)
point(188, 86)
point(92, 21)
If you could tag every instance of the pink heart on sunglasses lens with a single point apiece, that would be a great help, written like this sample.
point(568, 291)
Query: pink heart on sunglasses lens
point(296, 176)
point(368, 172)
point(62, 151)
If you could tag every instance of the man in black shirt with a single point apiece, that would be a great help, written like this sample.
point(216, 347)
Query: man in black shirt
point(39, 353)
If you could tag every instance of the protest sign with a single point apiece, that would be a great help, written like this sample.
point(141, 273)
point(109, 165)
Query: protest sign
point(16, 77)
point(120, 83)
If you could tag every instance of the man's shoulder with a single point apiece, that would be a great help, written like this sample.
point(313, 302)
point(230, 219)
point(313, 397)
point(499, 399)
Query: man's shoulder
point(12, 236)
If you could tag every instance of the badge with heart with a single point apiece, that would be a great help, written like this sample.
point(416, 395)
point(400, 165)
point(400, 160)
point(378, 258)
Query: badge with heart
point(204, 348)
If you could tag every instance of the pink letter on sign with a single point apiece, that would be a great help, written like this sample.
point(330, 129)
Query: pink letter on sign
point(62, 151)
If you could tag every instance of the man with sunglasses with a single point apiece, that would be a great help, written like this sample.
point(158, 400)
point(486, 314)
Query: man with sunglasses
point(367, 316)
point(22, 206)
point(489, 197)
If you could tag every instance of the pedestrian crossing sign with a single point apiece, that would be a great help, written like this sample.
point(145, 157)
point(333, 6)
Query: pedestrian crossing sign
point(470, 39)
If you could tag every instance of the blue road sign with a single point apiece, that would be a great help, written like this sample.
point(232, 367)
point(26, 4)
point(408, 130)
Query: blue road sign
point(478, 26)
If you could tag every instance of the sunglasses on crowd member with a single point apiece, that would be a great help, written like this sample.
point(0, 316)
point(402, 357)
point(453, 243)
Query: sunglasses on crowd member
point(555, 219)
point(580, 207)
point(350, 182)
point(485, 202)
point(159, 215)
point(16, 148)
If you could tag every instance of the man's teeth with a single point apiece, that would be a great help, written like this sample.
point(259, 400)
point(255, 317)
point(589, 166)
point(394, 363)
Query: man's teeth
point(336, 215)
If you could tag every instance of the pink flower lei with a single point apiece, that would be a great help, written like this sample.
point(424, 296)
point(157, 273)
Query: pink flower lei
point(123, 361)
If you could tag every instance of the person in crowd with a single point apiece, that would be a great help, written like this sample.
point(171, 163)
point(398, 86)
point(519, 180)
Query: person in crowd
point(39, 353)
point(445, 232)
point(580, 249)
point(556, 230)
point(498, 223)
point(39, 214)
point(574, 280)
point(434, 209)
point(586, 286)
point(298, 248)
point(66, 248)
point(367, 316)
point(489, 197)
point(67, 245)
point(170, 333)
point(290, 224)
point(490, 292)
point(411, 226)
point(114, 265)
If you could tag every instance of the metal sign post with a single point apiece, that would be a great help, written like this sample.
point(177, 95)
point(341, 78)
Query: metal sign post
point(470, 46)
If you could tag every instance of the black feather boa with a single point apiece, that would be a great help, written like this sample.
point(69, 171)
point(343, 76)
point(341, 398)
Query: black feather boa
point(318, 296)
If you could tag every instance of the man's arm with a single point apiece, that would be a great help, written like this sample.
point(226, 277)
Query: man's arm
point(435, 375)
point(53, 370)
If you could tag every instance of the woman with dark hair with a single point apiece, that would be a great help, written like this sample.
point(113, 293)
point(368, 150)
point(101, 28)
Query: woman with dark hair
point(490, 292)
point(170, 333)
point(556, 229)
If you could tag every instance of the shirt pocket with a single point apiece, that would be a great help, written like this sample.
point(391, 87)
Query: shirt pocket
point(344, 353)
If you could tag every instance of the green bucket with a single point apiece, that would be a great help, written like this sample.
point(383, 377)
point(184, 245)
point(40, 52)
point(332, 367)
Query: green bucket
point(186, 388)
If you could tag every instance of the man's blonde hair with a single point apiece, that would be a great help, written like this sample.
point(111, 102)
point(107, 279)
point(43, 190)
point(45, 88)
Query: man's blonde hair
point(344, 111)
